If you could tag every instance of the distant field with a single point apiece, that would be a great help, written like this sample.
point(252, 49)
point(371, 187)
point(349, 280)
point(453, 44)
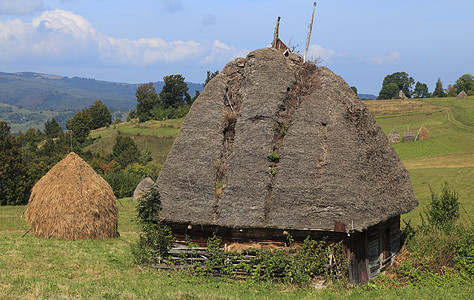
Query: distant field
point(447, 156)
point(156, 135)
point(22, 119)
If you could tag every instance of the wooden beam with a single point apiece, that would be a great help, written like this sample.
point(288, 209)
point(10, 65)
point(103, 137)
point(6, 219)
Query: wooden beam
point(275, 34)
point(309, 33)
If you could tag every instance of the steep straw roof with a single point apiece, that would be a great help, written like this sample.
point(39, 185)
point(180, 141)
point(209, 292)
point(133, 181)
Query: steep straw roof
point(335, 163)
point(72, 202)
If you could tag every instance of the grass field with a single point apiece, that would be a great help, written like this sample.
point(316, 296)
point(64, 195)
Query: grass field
point(34, 268)
point(447, 156)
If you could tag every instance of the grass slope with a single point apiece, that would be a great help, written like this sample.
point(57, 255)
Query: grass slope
point(447, 156)
point(156, 135)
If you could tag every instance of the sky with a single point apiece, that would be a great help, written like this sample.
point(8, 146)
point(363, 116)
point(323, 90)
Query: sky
point(137, 41)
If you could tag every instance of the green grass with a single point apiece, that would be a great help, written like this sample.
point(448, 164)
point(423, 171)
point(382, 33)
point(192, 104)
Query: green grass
point(33, 268)
point(156, 135)
point(22, 118)
point(447, 156)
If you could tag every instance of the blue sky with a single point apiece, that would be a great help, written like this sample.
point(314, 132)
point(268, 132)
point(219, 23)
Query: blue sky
point(138, 41)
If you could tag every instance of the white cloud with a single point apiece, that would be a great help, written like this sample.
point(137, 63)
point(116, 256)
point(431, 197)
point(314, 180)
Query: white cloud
point(392, 59)
point(329, 55)
point(222, 52)
point(315, 51)
point(62, 36)
point(20, 7)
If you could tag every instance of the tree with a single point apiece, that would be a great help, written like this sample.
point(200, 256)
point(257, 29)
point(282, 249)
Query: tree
point(354, 89)
point(147, 99)
point(439, 91)
point(464, 83)
point(80, 125)
point(421, 90)
point(52, 128)
point(125, 151)
point(401, 80)
point(14, 180)
point(100, 115)
point(209, 76)
point(175, 92)
point(389, 91)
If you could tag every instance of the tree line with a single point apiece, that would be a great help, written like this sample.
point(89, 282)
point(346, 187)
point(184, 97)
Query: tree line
point(401, 81)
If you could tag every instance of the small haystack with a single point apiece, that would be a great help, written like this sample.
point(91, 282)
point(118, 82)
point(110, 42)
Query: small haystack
point(72, 202)
point(462, 95)
point(401, 95)
point(142, 188)
point(394, 137)
point(408, 136)
point(423, 134)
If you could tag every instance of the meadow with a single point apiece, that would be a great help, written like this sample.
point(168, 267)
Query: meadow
point(34, 268)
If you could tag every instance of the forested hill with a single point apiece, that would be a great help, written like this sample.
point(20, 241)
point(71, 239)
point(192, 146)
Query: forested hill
point(50, 92)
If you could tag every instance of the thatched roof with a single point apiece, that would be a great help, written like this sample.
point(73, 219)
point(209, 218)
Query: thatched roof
point(423, 134)
point(394, 137)
point(335, 163)
point(142, 187)
point(462, 95)
point(408, 136)
point(72, 202)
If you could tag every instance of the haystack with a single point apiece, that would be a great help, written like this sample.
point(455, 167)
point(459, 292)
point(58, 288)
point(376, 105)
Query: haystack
point(72, 202)
point(142, 188)
point(401, 95)
point(408, 136)
point(423, 134)
point(394, 137)
point(462, 95)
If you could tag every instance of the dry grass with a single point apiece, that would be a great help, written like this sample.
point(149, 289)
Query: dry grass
point(391, 107)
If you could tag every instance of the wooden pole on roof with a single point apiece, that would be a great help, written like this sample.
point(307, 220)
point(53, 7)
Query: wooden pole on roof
point(275, 34)
point(309, 33)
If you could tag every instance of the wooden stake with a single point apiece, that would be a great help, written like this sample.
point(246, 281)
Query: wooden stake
point(275, 34)
point(309, 33)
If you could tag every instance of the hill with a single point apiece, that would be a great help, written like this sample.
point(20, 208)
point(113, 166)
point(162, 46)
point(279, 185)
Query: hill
point(38, 91)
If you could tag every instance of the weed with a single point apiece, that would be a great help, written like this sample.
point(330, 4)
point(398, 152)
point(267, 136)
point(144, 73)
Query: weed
point(274, 157)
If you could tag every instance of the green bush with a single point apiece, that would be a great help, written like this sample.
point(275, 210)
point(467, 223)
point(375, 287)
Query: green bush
point(155, 238)
point(464, 255)
point(123, 184)
point(443, 210)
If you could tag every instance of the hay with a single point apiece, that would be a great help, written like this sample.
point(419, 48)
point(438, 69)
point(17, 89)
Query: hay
point(401, 95)
point(462, 95)
point(394, 137)
point(408, 136)
point(142, 188)
point(72, 202)
point(423, 134)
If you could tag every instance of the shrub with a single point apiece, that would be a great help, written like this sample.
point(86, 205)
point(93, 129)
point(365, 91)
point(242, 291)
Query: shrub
point(123, 184)
point(155, 238)
point(464, 255)
point(443, 210)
